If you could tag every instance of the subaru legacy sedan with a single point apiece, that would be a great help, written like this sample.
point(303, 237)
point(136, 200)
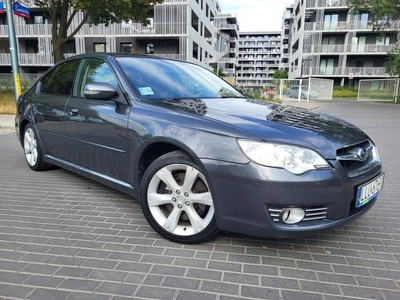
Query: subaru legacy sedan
point(198, 155)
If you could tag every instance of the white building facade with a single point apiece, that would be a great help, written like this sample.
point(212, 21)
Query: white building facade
point(179, 29)
point(329, 42)
point(259, 58)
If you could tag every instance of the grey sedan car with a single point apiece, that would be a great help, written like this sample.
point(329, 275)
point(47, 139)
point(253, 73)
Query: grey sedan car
point(198, 155)
point(305, 93)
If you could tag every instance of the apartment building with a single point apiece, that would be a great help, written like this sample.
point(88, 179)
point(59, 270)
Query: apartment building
point(226, 27)
point(286, 36)
point(179, 29)
point(329, 42)
point(259, 58)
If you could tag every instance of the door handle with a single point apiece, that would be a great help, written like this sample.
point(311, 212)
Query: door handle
point(73, 111)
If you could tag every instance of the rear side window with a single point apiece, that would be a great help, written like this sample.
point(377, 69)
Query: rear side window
point(59, 80)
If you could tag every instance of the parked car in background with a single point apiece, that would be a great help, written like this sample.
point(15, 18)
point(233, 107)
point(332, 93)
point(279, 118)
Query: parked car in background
point(197, 154)
point(293, 92)
point(289, 89)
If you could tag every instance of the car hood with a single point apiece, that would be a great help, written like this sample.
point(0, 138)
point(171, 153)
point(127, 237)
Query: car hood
point(277, 123)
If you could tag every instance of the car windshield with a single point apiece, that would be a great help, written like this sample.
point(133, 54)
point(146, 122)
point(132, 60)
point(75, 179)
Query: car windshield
point(163, 80)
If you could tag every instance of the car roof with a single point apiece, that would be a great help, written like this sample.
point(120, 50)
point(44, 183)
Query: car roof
point(113, 54)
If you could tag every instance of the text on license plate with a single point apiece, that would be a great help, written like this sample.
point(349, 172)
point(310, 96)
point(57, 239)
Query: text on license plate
point(368, 191)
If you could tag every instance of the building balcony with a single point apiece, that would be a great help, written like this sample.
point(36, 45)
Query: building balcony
point(117, 29)
point(27, 30)
point(226, 26)
point(326, 3)
point(344, 72)
point(44, 60)
point(345, 26)
point(182, 57)
point(229, 71)
point(28, 59)
point(347, 49)
point(230, 60)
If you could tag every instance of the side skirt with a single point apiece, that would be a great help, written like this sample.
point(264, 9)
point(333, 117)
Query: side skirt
point(96, 176)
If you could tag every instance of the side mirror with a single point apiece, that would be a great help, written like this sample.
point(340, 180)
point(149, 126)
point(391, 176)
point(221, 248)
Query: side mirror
point(99, 91)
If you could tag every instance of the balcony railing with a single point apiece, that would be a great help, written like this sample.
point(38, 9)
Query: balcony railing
point(120, 29)
point(356, 71)
point(28, 30)
point(36, 59)
point(229, 71)
point(345, 26)
point(225, 25)
point(341, 49)
point(28, 59)
point(173, 56)
point(326, 3)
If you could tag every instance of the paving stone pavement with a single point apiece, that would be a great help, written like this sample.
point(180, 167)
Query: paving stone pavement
point(66, 237)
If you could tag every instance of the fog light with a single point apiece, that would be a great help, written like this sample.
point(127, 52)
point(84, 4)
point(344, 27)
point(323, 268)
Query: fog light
point(292, 215)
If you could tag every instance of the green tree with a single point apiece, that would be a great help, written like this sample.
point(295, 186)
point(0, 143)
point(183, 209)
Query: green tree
point(280, 74)
point(385, 13)
point(392, 64)
point(220, 73)
point(62, 13)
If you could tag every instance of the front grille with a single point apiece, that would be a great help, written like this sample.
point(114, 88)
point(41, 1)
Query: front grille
point(312, 213)
point(358, 159)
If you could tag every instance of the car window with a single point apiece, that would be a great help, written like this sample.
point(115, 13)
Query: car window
point(60, 79)
point(161, 80)
point(94, 70)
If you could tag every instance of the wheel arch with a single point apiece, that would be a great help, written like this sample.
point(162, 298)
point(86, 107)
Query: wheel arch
point(22, 127)
point(153, 151)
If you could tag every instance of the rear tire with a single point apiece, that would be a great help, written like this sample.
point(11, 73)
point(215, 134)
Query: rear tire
point(33, 151)
point(176, 199)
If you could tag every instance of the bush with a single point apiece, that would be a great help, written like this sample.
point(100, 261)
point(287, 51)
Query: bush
point(7, 102)
point(342, 92)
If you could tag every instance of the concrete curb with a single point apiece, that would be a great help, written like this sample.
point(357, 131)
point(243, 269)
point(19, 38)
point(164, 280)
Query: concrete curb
point(6, 129)
point(7, 123)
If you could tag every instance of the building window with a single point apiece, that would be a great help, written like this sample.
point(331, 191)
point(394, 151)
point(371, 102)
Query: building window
point(38, 20)
point(69, 47)
point(378, 63)
point(326, 66)
point(126, 47)
point(331, 21)
point(195, 50)
point(99, 47)
point(383, 40)
point(195, 21)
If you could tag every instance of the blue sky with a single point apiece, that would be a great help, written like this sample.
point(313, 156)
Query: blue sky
point(257, 15)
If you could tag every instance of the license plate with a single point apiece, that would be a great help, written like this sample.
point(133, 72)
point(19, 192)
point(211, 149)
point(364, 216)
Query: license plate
point(369, 191)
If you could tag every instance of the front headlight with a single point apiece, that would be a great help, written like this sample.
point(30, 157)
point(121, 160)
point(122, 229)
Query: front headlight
point(296, 160)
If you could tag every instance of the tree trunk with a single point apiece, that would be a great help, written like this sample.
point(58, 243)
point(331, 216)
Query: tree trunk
point(58, 50)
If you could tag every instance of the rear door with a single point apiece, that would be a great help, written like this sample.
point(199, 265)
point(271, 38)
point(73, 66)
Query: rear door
point(97, 129)
point(53, 92)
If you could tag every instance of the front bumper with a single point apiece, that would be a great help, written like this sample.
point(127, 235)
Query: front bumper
point(244, 195)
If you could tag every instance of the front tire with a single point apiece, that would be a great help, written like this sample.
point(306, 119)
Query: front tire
point(176, 199)
point(32, 149)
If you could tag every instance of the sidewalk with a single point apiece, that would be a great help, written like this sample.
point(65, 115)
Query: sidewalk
point(302, 104)
point(7, 123)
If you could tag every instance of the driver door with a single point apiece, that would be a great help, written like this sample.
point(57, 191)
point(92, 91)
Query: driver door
point(96, 129)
